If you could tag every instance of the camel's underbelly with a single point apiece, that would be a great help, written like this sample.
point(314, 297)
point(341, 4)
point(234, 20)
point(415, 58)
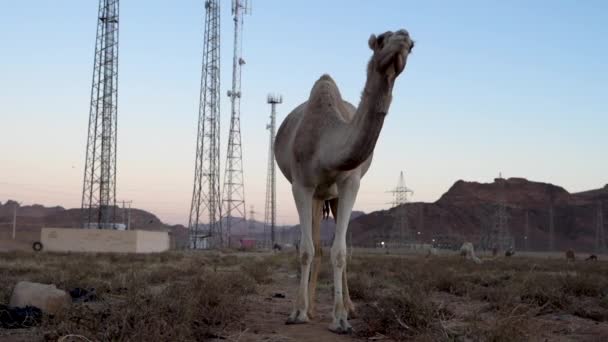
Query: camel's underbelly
point(326, 192)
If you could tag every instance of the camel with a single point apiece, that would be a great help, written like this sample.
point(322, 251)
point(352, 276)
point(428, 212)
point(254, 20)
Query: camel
point(468, 252)
point(592, 257)
point(570, 255)
point(324, 147)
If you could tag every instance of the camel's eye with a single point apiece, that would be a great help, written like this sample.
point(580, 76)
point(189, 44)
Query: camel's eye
point(380, 41)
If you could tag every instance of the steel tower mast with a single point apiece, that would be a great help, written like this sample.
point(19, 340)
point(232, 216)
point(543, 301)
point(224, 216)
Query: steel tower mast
point(234, 188)
point(99, 186)
point(206, 191)
point(270, 217)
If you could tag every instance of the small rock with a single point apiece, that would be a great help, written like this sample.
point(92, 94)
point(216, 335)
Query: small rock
point(47, 298)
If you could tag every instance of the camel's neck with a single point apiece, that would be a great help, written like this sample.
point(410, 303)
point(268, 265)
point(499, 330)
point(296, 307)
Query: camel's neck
point(357, 140)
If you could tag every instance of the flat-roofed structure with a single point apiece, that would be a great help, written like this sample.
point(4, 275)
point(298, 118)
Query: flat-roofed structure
point(103, 240)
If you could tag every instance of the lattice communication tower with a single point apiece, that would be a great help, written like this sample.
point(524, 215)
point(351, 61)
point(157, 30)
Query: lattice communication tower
point(206, 194)
point(99, 186)
point(234, 187)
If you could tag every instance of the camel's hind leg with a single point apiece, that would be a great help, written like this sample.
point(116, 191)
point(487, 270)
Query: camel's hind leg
point(317, 212)
point(348, 304)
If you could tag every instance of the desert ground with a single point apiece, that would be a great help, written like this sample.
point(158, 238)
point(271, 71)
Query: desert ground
point(239, 296)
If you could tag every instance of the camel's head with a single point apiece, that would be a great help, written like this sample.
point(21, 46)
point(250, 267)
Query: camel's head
point(390, 52)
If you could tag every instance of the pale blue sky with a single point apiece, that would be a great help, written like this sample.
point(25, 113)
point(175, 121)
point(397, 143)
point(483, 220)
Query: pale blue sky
point(518, 87)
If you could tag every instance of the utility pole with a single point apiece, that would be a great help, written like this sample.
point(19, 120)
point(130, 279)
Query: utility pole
point(527, 232)
point(551, 229)
point(99, 185)
point(600, 237)
point(271, 186)
point(206, 190)
point(17, 204)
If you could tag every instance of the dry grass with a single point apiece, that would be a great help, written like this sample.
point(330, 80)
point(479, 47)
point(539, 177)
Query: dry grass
point(406, 297)
point(168, 296)
point(198, 296)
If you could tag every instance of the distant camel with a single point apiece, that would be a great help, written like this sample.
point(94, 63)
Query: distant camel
point(592, 257)
point(431, 252)
point(570, 255)
point(468, 252)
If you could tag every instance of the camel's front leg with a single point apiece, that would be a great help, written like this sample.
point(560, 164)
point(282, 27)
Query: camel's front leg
point(347, 190)
point(348, 303)
point(303, 199)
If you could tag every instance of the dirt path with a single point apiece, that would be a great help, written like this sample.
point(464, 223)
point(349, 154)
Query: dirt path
point(266, 319)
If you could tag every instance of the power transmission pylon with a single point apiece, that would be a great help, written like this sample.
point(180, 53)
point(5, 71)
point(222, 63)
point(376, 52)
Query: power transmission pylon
point(234, 187)
point(600, 237)
point(499, 235)
point(251, 218)
point(126, 214)
point(270, 216)
point(206, 191)
point(527, 232)
point(99, 186)
point(400, 194)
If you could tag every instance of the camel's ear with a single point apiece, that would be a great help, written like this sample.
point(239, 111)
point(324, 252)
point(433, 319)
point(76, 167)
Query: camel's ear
point(373, 42)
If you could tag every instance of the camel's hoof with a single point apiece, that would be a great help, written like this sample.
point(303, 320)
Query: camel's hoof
point(352, 313)
point(297, 318)
point(350, 308)
point(311, 314)
point(341, 327)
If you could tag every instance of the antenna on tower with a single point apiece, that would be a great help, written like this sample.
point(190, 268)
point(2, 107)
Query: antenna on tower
point(271, 186)
point(206, 191)
point(234, 187)
point(99, 186)
point(400, 194)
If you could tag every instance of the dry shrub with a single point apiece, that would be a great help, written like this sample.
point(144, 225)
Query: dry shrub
point(402, 315)
point(362, 287)
point(582, 285)
point(504, 328)
point(542, 290)
point(450, 282)
point(192, 311)
point(260, 270)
